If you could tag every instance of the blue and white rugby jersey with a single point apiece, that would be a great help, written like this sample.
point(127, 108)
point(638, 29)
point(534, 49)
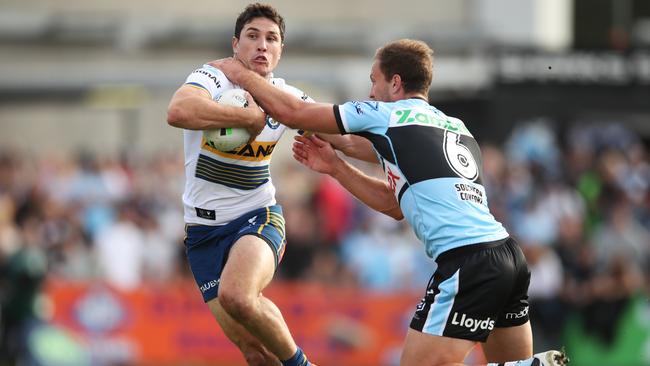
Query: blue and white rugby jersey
point(221, 186)
point(434, 166)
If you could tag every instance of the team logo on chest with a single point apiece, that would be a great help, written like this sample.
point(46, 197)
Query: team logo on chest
point(273, 124)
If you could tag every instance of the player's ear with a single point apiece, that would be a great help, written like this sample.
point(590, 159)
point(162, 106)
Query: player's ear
point(235, 43)
point(396, 83)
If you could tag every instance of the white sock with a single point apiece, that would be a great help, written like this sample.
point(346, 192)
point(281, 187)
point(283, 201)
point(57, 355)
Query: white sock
point(527, 362)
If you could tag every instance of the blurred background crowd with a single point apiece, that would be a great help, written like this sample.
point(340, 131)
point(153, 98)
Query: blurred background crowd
point(91, 176)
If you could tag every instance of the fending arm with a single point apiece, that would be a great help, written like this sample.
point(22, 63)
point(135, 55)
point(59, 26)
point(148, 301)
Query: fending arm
point(373, 192)
point(319, 156)
point(282, 106)
point(353, 146)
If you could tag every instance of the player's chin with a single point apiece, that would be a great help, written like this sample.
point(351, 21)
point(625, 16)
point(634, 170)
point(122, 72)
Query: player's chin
point(261, 68)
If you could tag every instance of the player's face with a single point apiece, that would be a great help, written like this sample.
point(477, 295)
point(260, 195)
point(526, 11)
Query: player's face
point(379, 87)
point(259, 45)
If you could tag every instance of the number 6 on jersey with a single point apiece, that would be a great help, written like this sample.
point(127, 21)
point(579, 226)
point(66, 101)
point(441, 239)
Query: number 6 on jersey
point(459, 158)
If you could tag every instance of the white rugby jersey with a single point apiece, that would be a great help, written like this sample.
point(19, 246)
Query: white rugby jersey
point(221, 186)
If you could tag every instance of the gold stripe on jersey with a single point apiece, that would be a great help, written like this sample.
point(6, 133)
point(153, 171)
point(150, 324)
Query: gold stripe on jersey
point(229, 181)
point(198, 86)
point(231, 175)
point(257, 151)
point(236, 173)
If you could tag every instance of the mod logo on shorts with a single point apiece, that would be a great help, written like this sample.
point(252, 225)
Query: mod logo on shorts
point(472, 324)
point(518, 315)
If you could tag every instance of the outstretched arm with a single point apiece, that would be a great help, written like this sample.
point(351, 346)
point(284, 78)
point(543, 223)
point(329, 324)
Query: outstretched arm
point(193, 109)
point(282, 106)
point(353, 146)
point(319, 156)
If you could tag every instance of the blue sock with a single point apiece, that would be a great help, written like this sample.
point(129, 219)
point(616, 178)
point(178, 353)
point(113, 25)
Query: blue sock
point(298, 359)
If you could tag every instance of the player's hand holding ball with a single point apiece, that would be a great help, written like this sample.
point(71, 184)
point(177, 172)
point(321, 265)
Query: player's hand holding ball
point(229, 138)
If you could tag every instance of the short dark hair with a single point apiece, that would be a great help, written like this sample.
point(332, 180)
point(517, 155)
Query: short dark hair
point(411, 59)
point(258, 10)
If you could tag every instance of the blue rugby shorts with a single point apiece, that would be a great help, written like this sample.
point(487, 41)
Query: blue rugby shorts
point(207, 247)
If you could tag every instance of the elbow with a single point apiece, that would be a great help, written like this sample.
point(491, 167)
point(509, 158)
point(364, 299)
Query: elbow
point(395, 213)
point(175, 116)
point(346, 150)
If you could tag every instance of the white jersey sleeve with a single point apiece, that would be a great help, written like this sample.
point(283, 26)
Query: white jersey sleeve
point(298, 93)
point(210, 79)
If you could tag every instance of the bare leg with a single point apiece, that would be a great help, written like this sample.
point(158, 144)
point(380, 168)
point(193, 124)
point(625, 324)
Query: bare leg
point(249, 270)
point(421, 349)
point(253, 350)
point(509, 344)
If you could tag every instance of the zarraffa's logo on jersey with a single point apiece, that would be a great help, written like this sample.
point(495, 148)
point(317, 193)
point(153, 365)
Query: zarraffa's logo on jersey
point(426, 117)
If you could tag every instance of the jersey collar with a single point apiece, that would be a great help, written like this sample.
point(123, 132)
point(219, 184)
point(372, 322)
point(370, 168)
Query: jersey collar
point(420, 98)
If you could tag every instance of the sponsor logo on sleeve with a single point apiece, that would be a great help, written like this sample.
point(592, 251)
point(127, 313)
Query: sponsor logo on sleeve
point(357, 107)
point(212, 77)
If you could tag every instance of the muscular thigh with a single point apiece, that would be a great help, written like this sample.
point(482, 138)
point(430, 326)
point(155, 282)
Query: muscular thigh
point(256, 253)
point(250, 266)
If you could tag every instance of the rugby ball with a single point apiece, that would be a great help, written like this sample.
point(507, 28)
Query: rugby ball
point(228, 138)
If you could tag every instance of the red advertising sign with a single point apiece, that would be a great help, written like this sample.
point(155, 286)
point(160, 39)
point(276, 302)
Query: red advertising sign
point(172, 326)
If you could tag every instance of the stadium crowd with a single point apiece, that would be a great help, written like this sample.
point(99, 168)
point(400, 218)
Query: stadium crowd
point(577, 200)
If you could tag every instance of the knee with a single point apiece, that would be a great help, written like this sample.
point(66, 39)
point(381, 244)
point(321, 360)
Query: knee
point(239, 306)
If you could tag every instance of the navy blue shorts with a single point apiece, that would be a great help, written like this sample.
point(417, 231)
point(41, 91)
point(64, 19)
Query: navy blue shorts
point(207, 247)
point(475, 289)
